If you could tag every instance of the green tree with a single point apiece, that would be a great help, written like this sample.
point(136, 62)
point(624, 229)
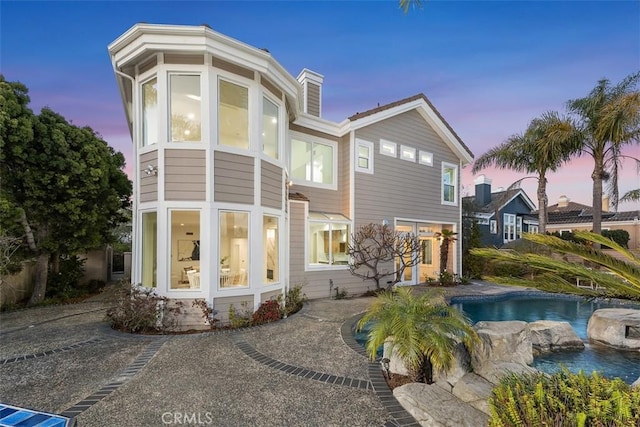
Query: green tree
point(63, 184)
point(471, 265)
point(609, 119)
point(616, 276)
point(547, 143)
point(446, 237)
point(425, 330)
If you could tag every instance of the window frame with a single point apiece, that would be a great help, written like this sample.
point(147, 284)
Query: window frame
point(169, 248)
point(426, 163)
point(408, 153)
point(230, 78)
point(278, 251)
point(249, 215)
point(330, 265)
point(390, 144)
point(454, 168)
point(369, 146)
point(281, 128)
point(169, 123)
point(509, 227)
point(493, 226)
point(143, 82)
point(313, 140)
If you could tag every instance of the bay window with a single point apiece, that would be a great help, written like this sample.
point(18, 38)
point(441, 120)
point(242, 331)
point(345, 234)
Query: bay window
point(328, 239)
point(270, 128)
point(233, 115)
point(185, 249)
point(234, 249)
point(149, 264)
point(150, 112)
point(271, 240)
point(185, 115)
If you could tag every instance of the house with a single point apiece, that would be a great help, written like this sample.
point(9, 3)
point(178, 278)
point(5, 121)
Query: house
point(567, 215)
point(502, 215)
point(242, 188)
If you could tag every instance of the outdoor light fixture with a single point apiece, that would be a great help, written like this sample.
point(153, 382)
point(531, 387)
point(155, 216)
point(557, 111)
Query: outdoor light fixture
point(151, 170)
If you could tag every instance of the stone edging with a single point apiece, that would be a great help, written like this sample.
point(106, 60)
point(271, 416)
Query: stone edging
point(50, 352)
point(400, 417)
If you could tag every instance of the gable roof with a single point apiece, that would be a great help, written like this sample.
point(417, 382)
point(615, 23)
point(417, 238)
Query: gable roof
point(426, 109)
point(500, 199)
point(586, 216)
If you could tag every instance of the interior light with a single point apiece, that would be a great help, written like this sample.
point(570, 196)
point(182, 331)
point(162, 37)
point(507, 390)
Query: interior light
point(274, 120)
point(187, 132)
point(194, 97)
point(191, 116)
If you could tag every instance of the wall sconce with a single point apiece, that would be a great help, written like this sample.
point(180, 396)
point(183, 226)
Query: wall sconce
point(151, 170)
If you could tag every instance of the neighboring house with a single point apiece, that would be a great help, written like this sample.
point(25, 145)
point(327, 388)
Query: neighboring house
point(571, 216)
point(502, 216)
point(242, 189)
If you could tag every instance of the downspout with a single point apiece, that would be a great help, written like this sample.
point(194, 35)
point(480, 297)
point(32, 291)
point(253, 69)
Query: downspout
point(132, 80)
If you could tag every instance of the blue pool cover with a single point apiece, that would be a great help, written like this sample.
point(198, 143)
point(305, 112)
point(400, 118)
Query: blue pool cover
point(12, 416)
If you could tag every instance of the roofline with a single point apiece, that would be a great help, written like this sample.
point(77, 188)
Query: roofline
point(426, 109)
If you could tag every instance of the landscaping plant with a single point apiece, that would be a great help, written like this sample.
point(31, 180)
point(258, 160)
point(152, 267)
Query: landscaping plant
point(563, 399)
point(269, 311)
point(424, 330)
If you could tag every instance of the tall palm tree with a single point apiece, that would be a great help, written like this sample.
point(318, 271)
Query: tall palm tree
point(547, 143)
point(610, 119)
point(447, 237)
point(425, 330)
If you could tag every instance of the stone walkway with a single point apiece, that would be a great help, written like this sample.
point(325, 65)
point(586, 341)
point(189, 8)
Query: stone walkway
point(305, 370)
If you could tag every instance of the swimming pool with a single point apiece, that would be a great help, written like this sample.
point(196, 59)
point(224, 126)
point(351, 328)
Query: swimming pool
point(530, 307)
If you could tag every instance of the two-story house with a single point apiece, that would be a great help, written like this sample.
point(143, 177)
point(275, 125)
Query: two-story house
point(242, 189)
point(502, 216)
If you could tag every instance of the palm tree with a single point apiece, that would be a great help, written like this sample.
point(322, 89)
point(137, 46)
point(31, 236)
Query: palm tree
point(447, 237)
point(547, 143)
point(616, 276)
point(610, 119)
point(425, 330)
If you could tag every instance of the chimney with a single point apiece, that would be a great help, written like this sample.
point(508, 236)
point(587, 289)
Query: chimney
point(563, 201)
point(483, 190)
point(605, 203)
point(312, 91)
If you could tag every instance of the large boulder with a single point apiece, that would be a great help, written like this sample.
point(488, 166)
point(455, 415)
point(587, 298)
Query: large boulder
point(396, 365)
point(494, 371)
point(432, 406)
point(474, 390)
point(549, 335)
point(617, 327)
point(508, 341)
point(460, 367)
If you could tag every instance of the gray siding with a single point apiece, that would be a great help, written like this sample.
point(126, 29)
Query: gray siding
point(148, 183)
point(185, 175)
point(176, 58)
point(222, 306)
point(271, 87)
point(313, 99)
point(315, 283)
point(399, 188)
point(269, 295)
point(321, 199)
point(272, 184)
point(233, 178)
point(233, 68)
point(344, 175)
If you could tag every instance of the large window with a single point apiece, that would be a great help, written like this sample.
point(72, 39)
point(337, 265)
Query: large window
point(234, 249)
point(185, 107)
point(328, 239)
point(426, 251)
point(185, 249)
point(233, 115)
point(150, 112)
point(149, 262)
point(509, 227)
point(313, 162)
point(270, 128)
point(270, 238)
point(449, 184)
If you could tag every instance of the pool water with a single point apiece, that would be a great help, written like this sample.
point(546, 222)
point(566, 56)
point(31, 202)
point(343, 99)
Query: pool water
point(576, 311)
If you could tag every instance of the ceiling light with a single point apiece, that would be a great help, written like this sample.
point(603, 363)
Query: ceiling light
point(194, 97)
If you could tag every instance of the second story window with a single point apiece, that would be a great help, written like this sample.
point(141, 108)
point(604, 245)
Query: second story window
point(313, 162)
point(449, 184)
point(150, 112)
point(364, 156)
point(185, 123)
point(270, 128)
point(233, 115)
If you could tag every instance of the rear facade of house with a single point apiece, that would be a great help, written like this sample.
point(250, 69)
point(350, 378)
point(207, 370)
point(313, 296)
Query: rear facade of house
point(242, 189)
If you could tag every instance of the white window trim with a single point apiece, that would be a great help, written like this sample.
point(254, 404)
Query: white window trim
point(281, 128)
point(249, 250)
point(369, 145)
point(391, 145)
point(315, 140)
point(493, 226)
point(518, 227)
point(456, 191)
point(408, 153)
point(427, 163)
point(322, 267)
point(143, 82)
point(507, 224)
point(169, 241)
point(186, 72)
point(247, 84)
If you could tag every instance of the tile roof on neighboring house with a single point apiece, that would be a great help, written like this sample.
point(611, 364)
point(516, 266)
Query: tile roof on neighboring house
point(422, 96)
point(586, 216)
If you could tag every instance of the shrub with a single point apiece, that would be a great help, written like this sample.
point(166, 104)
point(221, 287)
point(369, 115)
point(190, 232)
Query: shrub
point(621, 237)
point(293, 301)
point(138, 310)
point(506, 269)
point(341, 294)
point(445, 278)
point(239, 319)
point(208, 312)
point(269, 311)
point(563, 399)
point(64, 284)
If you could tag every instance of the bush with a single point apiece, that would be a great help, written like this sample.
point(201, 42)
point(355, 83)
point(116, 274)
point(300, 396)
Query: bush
point(563, 399)
point(269, 311)
point(141, 310)
point(64, 284)
point(239, 319)
point(506, 269)
point(621, 237)
point(294, 300)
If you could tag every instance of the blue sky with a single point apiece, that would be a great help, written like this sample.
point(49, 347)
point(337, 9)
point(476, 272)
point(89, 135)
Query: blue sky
point(488, 66)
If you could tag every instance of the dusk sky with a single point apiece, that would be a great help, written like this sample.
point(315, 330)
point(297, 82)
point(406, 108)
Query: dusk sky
point(488, 66)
